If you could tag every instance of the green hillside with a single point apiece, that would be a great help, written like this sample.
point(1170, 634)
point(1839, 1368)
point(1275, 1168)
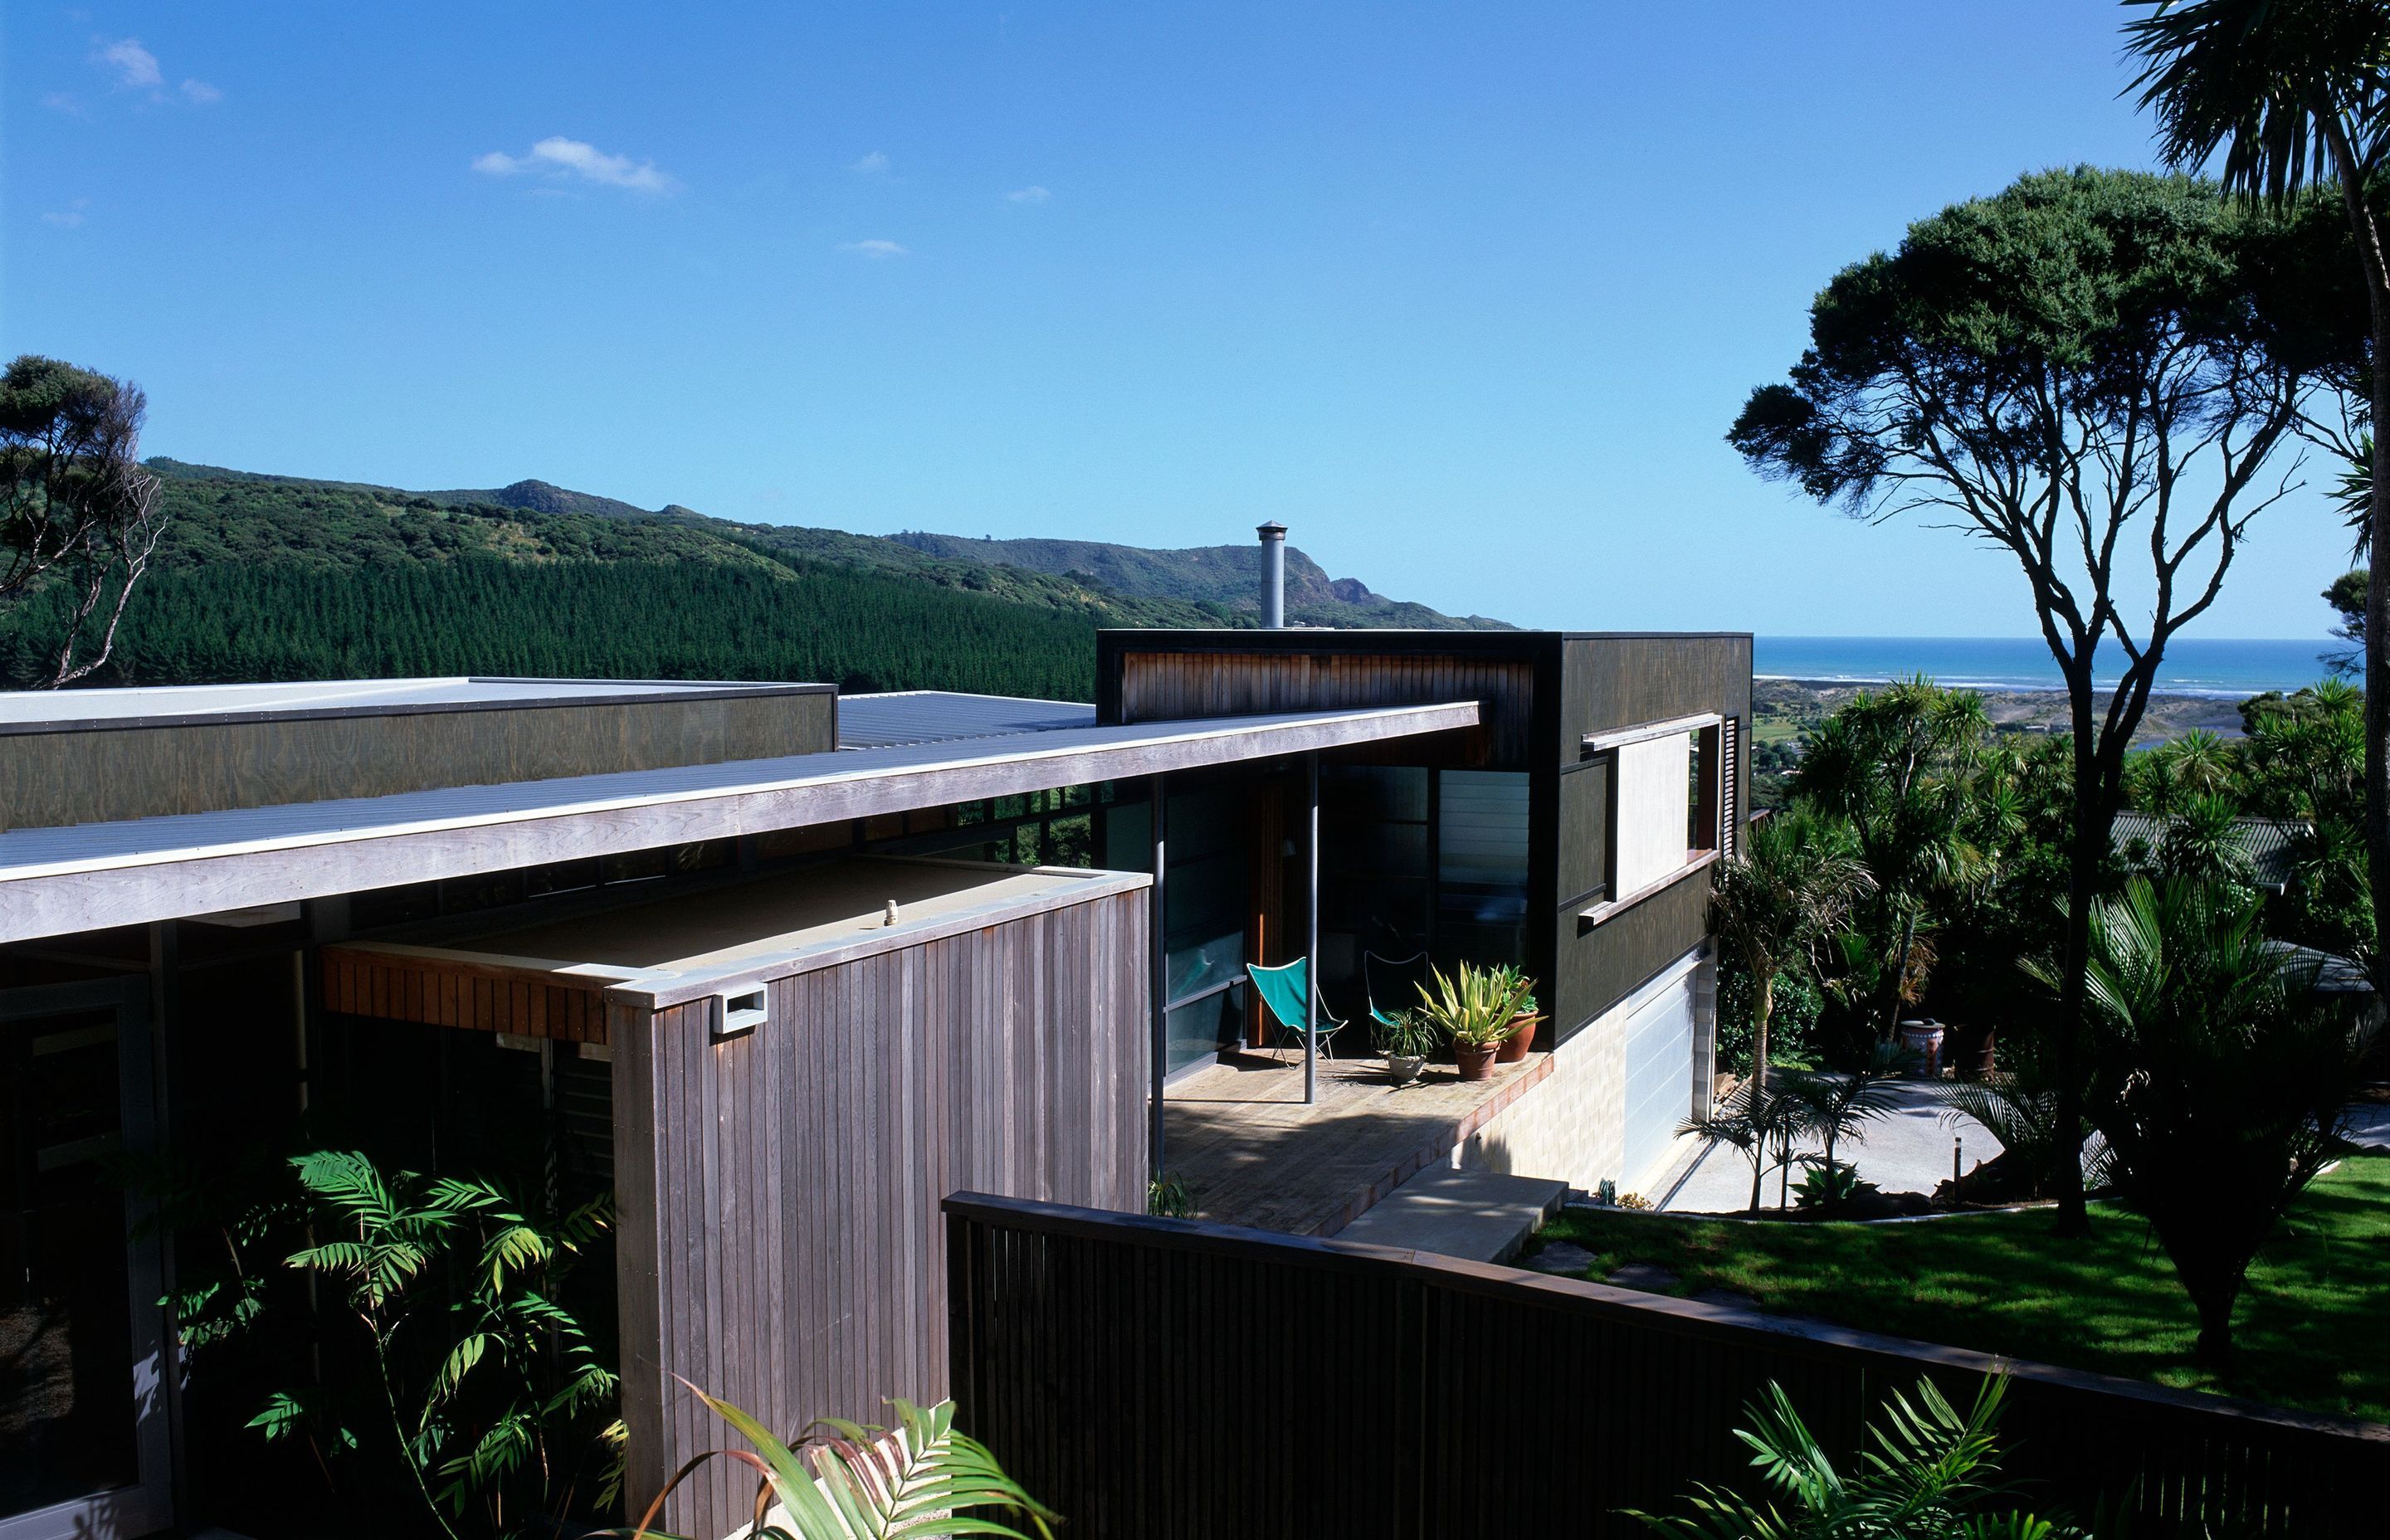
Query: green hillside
point(273, 577)
point(1226, 575)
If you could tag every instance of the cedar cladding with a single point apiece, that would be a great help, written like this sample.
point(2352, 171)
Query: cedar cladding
point(778, 1192)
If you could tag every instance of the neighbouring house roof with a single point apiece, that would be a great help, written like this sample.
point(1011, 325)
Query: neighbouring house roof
point(2269, 845)
point(945, 716)
point(2334, 974)
point(179, 705)
point(58, 880)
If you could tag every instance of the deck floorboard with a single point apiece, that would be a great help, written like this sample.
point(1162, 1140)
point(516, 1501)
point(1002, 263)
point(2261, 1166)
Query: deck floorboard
point(1252, 1154)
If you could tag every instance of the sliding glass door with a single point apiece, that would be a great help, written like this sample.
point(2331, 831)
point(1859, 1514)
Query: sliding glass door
point(84, 1449)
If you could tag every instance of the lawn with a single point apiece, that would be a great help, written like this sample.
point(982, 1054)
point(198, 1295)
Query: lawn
point(2311, 1329)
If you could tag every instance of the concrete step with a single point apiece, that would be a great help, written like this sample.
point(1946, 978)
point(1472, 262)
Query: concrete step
point(1478, 1216)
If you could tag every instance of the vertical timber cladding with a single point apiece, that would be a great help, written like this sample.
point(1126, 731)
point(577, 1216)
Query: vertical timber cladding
point(779, 1238)
point(1608, 683)
point(1145, 676)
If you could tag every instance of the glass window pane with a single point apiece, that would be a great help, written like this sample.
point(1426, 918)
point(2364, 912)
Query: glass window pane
point(67, 1410)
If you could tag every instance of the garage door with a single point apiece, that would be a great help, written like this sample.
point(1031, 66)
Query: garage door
point(1659, 1078)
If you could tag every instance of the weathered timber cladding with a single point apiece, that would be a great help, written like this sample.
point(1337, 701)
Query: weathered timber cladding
point(1162, 685)
point(779, 1239)
point(1091, 1353)
point(445, 992)
point(83, 775)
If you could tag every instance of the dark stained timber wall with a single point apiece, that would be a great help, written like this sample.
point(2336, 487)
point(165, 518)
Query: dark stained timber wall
point(1122, 1369)
point(779, 1237)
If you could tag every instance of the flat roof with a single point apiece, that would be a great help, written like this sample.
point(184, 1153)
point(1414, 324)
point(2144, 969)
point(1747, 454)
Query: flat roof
point(87, 877)
point(945, 716)
point(181, 705)
point(677, 946)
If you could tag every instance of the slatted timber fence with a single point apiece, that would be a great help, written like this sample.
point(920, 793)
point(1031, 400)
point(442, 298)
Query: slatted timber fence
point(1155, 1378)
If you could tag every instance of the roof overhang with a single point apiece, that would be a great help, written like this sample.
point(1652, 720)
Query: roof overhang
point(57, 882)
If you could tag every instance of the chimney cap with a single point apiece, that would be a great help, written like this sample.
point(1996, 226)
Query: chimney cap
point(1271, 531)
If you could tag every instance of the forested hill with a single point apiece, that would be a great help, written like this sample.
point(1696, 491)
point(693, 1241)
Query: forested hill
point(269, 577)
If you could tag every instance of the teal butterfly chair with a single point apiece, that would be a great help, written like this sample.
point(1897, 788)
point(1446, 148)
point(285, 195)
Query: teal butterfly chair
point(1394, 984)
point(1283, 989)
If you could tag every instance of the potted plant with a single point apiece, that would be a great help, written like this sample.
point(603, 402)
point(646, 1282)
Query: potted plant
point(1405, 1040)
point(1524, 1019)
point(1477, 1009)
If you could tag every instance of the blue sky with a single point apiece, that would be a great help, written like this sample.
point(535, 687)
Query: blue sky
point(1467, 295)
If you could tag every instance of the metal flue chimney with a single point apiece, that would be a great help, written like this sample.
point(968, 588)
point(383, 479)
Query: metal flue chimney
point(1273, 576)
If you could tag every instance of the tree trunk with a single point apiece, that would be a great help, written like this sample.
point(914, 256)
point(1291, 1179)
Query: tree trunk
point(2213, 1300)
point(2377, 655)
point(1906, 940)
point(2376, 262)
point(1758, 1174)
point(2082, 876)
point(1763, 1006)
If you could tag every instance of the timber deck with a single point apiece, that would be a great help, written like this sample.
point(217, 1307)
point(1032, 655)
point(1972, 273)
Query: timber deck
point(1252, 1154)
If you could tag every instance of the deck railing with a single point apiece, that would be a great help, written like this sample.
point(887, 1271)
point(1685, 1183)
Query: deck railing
point(1155, 1378)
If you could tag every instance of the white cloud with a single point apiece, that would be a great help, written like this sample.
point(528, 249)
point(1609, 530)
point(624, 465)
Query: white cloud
point(872, 164)
point(66, 220)
point(200, 93)
point(1029, 194)
point(136, 67)
point(578, 159)
point(876, 249)
point(66, 102)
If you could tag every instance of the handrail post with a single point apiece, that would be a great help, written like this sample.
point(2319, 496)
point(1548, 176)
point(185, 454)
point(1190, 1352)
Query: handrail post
point(1311, 928)
point(1159, 975)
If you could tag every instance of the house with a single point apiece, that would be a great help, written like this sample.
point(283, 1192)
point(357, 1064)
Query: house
point(782, 968)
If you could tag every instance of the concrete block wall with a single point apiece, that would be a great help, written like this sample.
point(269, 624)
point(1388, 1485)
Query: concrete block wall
point(1571, 1125)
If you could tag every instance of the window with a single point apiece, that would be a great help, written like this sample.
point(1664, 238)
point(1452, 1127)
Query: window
point(1655, 808)
point(1669, 793)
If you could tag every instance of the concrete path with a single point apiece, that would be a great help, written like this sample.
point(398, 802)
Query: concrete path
point(1477, 1215)
point(1907, 1150)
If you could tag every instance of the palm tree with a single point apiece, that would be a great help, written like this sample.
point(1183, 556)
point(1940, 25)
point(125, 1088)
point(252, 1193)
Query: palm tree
point(1788, 887)
point(1760, 1122)
point(2290, 91)
point(1839, 1107)
point(2217, 1078)
point(1899, 765)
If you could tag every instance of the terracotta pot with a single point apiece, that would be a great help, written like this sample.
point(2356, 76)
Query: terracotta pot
point(1403, 1068)
point(1476, 1059)
point(1522, 1038)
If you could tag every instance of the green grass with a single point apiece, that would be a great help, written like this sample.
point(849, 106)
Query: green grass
point(2310, 1329)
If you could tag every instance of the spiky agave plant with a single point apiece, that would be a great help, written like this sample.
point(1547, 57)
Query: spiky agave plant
point(855, 1482)
point(1474, 1005)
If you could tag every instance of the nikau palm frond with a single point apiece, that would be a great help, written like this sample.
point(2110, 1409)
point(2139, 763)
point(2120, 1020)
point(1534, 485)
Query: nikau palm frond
point(1929, 1472)
point(854, 1482)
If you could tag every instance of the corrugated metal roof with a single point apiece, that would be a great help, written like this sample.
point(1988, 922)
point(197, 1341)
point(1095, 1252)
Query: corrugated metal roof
point(57, 880)
point(2269, 845)
point(162, 705)
point(945, 716)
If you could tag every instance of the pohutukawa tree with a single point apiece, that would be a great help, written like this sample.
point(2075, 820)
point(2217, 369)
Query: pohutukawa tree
point(2093, 371)
point(78, 512)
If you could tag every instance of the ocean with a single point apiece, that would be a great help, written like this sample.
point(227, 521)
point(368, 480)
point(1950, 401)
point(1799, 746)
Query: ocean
point(2210, 666)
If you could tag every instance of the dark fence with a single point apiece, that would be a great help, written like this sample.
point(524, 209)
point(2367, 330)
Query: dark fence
point(1152, 1377)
